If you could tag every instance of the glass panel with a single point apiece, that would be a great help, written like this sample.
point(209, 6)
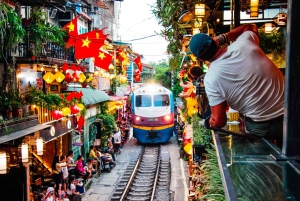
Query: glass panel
point(161, 100)
point(255, 174)
point(143, 101)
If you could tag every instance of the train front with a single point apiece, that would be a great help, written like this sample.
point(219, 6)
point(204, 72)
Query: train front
point(153, 115)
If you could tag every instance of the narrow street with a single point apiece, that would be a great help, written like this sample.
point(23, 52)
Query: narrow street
point(103, 186)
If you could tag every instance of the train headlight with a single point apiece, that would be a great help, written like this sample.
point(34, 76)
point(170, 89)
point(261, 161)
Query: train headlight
point(138, 118)
point(167, 117)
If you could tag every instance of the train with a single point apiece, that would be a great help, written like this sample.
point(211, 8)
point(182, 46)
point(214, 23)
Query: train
point(152, 113)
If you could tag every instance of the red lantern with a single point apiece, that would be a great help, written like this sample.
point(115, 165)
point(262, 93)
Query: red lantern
point(78, 68)
point(75, 77)
point(73, 67)
point(83, 69)
point(80, 122)
point(65, 67)
point(68, 78)
point(74, 109)
point(56, 114)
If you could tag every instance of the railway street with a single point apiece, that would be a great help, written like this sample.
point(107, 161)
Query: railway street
point(103, 186)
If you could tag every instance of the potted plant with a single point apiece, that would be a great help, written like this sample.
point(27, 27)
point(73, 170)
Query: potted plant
point(202, 138)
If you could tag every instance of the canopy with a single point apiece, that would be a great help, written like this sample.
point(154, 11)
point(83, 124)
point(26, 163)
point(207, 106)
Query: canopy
point(91, 96)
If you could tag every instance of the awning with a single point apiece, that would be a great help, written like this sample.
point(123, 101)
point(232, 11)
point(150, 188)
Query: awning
point(91, 96)
point(22, 133)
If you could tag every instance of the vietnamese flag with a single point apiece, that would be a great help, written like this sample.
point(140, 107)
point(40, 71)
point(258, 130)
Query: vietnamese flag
point(137, 77)
point(88, 44)
point(72, 31)
point(138, 62)
point(103, 60)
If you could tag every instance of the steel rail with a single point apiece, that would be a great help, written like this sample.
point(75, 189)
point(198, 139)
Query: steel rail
point(157, 173)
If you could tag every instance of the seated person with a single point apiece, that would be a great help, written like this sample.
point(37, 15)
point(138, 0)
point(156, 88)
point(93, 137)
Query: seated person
point(79, 169)
point(89, 167)
point(73, 194)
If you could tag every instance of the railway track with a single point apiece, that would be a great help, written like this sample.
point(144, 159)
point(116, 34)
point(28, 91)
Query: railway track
point(147, 177)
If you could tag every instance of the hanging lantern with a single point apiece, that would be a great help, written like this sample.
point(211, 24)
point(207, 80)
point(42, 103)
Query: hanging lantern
point(268, 27)
point(66, 111)
point(200, 10)
point(24, 152)
point(81, 78)
point(254, 6)
point(83, 69)
point(75, 77)
point(80, 106)
point(59, 76)
point(48, 77)
point(80, 122)
point(188, 148)
point(75, 109)
point(89, 78)
point(68, 78)
point(40, 146)
point(73, 67)
point(65, 67)
point(4, 162)
point(56, 114)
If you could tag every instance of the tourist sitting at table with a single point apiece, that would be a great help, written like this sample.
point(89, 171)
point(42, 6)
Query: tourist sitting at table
point(80, 171)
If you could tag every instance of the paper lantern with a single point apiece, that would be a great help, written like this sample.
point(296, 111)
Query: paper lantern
point(80, 122)
point(65, 67)
point(48, 77)
point(200, 10)
point(191, 102)
point(25, 152)
point(81, 78)
point(73, 67)
point(80, 106)
point(75, 109)
point(188, 148)
point(192, 111)
point(89, 78)
point(75, 77)
point(4, 162)
point(66, 111)
point(40, 146)
point(59, 76)
point(56, 114)
point(68, 78)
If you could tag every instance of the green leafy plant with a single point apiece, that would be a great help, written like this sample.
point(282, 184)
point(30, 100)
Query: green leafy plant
point(201, 135)
point(211, 182)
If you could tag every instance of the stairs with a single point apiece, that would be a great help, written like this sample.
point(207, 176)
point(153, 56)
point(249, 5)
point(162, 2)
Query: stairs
point(38, 161)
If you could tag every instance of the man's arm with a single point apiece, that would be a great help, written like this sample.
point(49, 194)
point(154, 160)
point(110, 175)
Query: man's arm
point(235, 33)
point(218, 115)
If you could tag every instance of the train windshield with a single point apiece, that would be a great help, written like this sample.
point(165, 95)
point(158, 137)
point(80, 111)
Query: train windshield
point(143, 101)
point(161, 100)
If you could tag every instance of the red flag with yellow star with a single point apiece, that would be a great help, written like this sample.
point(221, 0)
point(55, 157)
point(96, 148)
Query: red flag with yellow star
point(138, 62)
point(72, 31)
point(103, 60)
point(88, 44)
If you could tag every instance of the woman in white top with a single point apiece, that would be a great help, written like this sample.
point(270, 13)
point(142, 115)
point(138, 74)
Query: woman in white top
point(74, 196)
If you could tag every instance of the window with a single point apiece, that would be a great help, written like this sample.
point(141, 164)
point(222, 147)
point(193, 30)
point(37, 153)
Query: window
point(161, 100)
point(143, 101)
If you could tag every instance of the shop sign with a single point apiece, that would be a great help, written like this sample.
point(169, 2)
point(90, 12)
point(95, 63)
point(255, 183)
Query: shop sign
point(59, 128)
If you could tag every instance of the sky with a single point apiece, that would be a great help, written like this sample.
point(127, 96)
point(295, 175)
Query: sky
point(136, 22)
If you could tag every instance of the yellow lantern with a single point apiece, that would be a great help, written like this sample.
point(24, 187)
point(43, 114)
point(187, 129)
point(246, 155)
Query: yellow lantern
point(59, 76)
point(188, 148)
point(192, 111)
point(81, 106)
point(89, 78)
point(81, 77)
point(66, 111)
point(48, 77)
point(191, 102)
